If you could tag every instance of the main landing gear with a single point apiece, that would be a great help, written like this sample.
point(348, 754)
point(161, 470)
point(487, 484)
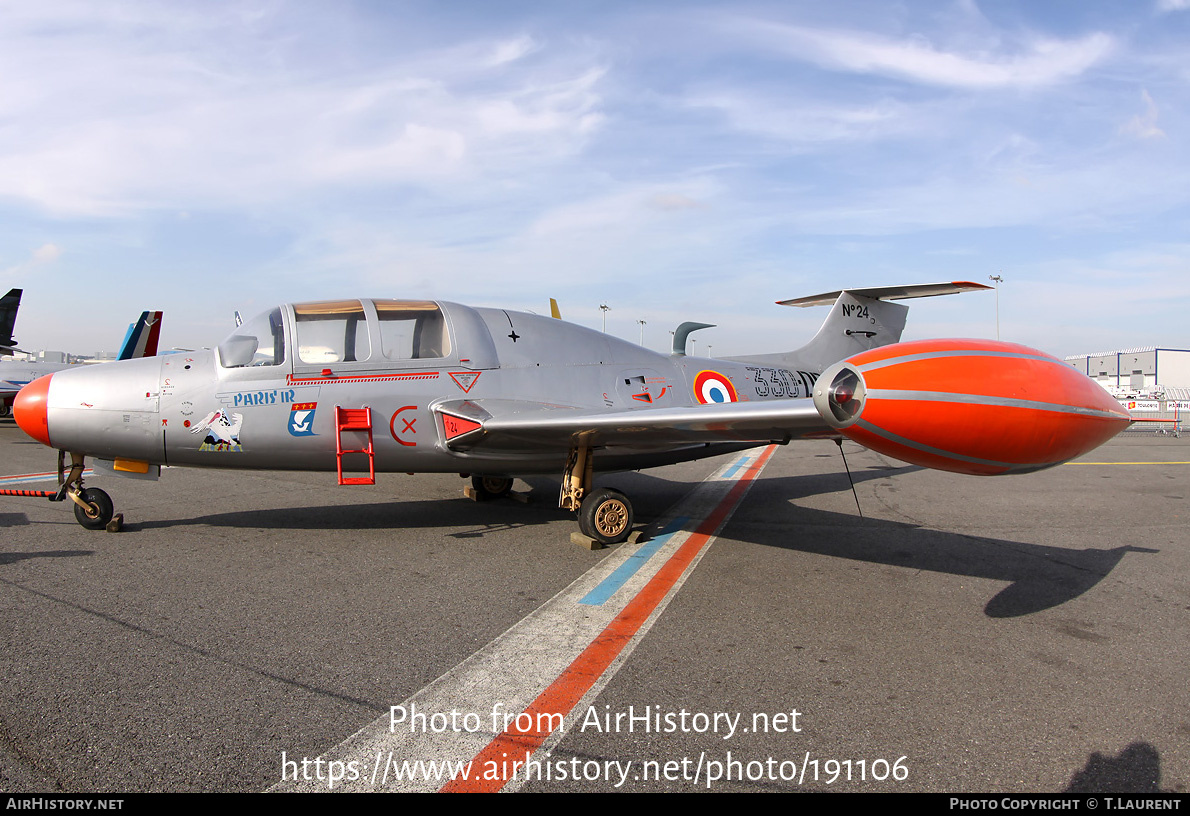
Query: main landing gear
point(490, 487)
point(604, 515)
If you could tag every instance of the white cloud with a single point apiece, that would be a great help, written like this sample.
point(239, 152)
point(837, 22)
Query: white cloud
point(804, 121)
point(512, 50)
point(1144, 125)
point(1042, 61)
point(124, 113)
point(44, 255)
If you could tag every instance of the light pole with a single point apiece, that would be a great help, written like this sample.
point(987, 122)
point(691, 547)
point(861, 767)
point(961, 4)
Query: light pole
point(605, 309)
point(642, 322)
point(996, 279)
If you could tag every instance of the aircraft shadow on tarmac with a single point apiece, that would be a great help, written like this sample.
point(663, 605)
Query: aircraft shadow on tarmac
point(1039, 577)
point(14, 557)
point(1136, 769)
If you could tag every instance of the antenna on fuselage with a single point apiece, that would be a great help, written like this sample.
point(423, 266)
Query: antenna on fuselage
point(685, 330)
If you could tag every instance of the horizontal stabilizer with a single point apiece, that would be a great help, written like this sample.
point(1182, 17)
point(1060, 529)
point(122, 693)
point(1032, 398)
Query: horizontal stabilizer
point(888, 293)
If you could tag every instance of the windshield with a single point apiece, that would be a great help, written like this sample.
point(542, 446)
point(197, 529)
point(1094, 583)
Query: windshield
point(259, 342)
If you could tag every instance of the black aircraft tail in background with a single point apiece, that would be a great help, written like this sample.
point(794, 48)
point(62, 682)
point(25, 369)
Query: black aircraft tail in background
point(8, 317)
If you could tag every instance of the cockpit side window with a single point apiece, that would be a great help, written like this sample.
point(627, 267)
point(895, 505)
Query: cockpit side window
point(332, 332)
point(259, 342)
point(412, 330)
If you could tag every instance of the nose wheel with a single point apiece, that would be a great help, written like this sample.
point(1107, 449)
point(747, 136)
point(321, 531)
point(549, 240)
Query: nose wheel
point(93, 509)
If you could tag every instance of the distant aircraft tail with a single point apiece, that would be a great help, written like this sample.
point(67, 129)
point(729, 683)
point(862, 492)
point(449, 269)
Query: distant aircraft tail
point(141, 339)
point(860, 319)
point(8, 318)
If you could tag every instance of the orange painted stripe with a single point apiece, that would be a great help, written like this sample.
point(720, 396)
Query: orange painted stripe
point(564, 693)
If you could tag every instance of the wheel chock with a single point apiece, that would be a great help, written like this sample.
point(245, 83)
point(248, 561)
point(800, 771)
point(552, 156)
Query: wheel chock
point(116, 524)
point(588, 543)
point(585, 541)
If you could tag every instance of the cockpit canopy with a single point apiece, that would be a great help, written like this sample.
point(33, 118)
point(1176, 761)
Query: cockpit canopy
point(340, 332)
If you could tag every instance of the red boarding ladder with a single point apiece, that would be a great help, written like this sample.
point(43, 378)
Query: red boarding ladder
point(354, 419)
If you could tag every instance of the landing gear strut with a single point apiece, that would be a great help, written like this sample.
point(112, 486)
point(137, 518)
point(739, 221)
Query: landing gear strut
point(604, 515)
point(92, 507)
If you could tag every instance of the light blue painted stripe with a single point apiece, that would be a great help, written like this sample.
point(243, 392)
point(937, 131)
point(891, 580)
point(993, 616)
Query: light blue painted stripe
point(608, 586)
point(739, 463)
point(36, 477)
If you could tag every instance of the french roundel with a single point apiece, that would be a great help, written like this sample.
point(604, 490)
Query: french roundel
point(711, 386)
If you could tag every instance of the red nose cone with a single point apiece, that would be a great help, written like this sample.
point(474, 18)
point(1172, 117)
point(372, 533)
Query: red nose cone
point(30, 409)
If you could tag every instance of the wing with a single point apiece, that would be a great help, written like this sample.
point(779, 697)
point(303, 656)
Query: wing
point(514, 425)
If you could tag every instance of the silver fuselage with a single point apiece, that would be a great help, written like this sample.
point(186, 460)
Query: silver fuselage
point(282, 415)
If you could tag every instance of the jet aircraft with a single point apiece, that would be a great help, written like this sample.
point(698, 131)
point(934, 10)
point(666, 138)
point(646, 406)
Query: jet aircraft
point(359, 386)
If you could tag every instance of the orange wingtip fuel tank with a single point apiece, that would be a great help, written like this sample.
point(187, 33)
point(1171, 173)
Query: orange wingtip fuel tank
point(969, 406)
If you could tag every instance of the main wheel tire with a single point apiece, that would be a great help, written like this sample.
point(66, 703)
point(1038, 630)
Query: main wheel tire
point(100, 512)
point(491, 487)
point(605, 515)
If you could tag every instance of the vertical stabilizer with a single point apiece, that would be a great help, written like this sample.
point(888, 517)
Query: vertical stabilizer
point(8, 318)
point(142, 336)
point(860, 319)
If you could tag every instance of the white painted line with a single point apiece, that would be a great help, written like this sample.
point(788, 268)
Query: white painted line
point(469, 709)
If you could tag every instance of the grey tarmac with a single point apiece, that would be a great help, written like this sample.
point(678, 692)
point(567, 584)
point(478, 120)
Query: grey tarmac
point(1022, 633)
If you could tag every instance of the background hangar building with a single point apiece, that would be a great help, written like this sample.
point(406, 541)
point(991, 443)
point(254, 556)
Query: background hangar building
point(1139, 370)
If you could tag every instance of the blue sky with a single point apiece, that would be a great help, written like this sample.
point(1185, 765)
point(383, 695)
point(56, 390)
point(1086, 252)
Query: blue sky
point(674, 160)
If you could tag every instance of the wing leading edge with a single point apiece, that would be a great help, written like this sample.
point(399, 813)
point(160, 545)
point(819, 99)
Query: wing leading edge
point(512, 425)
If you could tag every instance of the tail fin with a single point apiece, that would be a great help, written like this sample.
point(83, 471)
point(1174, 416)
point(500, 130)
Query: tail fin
point(8, 318)
point(141, 339)
point(860, 319)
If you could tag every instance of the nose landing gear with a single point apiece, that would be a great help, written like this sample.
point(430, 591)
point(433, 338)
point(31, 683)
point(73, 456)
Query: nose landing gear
point(92, 506)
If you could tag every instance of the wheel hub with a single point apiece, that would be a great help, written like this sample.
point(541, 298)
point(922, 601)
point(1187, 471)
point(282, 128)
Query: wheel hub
point(611, 517)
